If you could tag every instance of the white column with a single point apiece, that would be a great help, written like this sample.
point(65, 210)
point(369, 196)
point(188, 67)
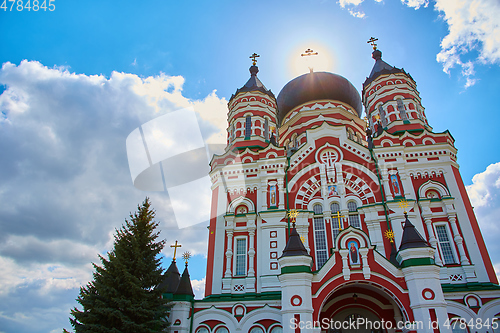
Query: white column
point(344, 253)
point(364, 260)
point(432, 239)
point(263, 188)
point(458, 239)
point(385, 181)
point(229, 253)
point(251, 251)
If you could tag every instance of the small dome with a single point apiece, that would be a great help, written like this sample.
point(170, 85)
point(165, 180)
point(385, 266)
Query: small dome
point(316, 86)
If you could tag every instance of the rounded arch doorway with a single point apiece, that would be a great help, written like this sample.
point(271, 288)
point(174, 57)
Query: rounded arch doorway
point(361, 307)
point(355, 320)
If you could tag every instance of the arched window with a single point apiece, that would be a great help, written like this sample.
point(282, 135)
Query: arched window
point(222, 330)
point(202, 330)
point(401, 109)
point(335, 208)
point(248, 127)
point(353, 214)
point(382, 116)
point(319, 236)
point(318, 209)
point(256, 330)
point(277, 329)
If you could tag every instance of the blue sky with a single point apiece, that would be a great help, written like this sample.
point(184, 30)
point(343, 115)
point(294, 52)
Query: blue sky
point(76, 81)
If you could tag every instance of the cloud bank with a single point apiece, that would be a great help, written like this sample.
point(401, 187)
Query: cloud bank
point(65, 184)
point(484, 194)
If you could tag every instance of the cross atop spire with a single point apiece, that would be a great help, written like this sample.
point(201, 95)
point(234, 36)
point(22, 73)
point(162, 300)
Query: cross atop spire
point(372, 41)
point(175, 246)
point(254, 57)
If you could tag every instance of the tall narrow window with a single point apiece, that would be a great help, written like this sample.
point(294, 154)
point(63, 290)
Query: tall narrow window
point(241, 256)
point(445, 245)
point(401, 109)
point(382, 116)
point(319, 237)
point(266, 129)
point(335, 208)
point(248, 127)
point(353, 214)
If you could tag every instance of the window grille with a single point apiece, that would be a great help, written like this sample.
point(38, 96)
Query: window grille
point(248, 127)
point(353, 214)
point(320, 242)
point(241, 256)
point(401, 109)
point(445, 245)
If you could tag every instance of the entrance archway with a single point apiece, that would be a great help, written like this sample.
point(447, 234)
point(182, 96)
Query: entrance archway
point(361, 308)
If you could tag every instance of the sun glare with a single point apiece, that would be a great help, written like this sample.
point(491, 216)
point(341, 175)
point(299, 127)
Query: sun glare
point(321, 62)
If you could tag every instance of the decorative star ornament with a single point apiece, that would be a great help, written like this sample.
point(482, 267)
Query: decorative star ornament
point(389, 234)
point(403, 204)
point(186, 255)
point(303, 239)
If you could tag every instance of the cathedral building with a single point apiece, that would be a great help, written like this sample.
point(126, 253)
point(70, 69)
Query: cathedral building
point(321, 219)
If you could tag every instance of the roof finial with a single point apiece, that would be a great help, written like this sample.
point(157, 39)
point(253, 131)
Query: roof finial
point(254, 57)
point(293, 214)
point(308, 53)
point(175, 246)
point(372, 41)
point(186, 255)
point(403, 203)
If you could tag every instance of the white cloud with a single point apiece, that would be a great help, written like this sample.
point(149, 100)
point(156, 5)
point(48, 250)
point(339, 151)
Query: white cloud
point(473, 26)
point(484, 194)
point(198, 288)
point(65, 184)
point(416, 3)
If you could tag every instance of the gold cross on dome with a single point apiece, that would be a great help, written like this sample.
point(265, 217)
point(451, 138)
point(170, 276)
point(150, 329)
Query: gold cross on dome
point(175, 246)
point(254, 57)
point(372, 41)
point(403, 204)
point(338, 216)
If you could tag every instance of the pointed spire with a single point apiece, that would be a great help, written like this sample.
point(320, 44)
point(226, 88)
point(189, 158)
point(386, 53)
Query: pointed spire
point(294, 246)
point(185, 288)
point(411, 237)
point(171, 279)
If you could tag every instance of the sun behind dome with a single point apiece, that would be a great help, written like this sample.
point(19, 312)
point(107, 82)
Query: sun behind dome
point(317, 86)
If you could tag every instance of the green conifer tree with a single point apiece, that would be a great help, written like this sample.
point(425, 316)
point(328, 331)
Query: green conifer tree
point(124, 294)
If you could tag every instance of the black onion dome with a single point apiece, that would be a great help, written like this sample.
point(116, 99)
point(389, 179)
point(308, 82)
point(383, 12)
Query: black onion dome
point(316, 86)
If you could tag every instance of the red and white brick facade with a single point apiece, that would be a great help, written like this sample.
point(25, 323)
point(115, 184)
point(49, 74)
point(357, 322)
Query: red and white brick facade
point(323, 165)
